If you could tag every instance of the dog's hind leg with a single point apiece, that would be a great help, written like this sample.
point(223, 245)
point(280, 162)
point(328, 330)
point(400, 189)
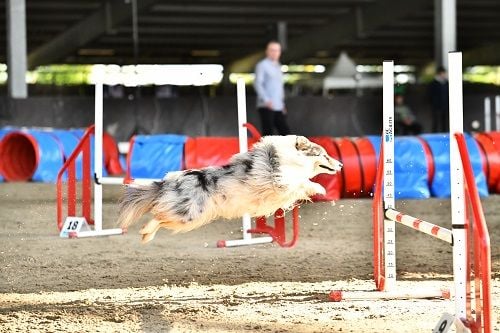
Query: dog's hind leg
point(149, 230)
point(150, 227)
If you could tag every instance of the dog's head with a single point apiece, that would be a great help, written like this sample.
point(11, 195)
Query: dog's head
point(322, 162)
point(299, 151)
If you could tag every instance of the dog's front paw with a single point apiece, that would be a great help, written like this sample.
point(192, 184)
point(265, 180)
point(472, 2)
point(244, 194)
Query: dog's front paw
point(315, 188)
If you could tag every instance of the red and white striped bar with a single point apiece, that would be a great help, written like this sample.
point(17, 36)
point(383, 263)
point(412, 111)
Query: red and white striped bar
point(422, 226)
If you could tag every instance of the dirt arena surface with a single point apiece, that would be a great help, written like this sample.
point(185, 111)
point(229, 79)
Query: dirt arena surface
point(183, 283)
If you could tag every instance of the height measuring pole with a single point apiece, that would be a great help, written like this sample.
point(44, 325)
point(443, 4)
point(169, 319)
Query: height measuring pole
point(457, 185)
point(388, 147)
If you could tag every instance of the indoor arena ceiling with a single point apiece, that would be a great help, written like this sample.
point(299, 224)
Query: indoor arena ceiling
point(233, 32)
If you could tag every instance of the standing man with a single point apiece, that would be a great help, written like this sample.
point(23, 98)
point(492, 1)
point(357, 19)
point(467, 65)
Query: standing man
point(270, 91)
point(439, 99)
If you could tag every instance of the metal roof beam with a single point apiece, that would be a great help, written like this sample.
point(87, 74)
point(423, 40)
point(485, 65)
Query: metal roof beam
point(486, 55)
point(112, 13)
point(341, 30)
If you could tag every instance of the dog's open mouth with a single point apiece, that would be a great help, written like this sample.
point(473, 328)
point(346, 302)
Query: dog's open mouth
point(327, 168)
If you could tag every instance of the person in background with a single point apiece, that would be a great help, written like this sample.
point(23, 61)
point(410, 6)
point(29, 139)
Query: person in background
point(270, 91)
point(405, 121)
point(438, 91)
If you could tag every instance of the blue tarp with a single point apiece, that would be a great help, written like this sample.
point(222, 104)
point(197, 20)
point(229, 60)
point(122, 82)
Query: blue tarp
point(155, 155)
point(411, 172)
point(439, 145)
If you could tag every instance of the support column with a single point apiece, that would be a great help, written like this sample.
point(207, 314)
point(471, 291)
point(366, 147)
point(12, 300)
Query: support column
point(282, 34)
point(445, 30)
point(16, 48)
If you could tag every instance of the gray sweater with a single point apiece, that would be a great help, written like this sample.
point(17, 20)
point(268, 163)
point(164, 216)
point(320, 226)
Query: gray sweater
point(269, 84)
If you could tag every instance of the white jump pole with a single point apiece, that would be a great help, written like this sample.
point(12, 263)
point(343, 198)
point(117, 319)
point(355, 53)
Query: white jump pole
point(98, 155)
point(98, 164)
point(243, 141)
point(457, 185)
point(497, 113)
point(487, 114)
point(389, 201)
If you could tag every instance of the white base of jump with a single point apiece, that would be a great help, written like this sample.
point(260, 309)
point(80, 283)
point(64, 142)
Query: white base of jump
point(243, 242)
point(93, 233)
point(121, 180)
point(339, 295)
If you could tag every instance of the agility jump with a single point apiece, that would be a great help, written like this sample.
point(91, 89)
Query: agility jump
point(470, 239)
point(276, 233)
point(79, 224)
point(293, 156)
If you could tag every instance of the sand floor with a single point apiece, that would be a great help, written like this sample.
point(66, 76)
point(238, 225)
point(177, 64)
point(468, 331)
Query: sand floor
point(184, 283)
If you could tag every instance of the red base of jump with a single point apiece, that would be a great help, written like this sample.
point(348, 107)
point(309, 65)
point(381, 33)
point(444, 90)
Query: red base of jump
point(278, 232)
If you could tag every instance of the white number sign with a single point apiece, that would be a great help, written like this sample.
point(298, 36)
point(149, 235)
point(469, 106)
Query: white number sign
point(72, 226)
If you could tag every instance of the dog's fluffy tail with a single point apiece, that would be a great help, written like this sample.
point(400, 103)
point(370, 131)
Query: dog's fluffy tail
point(137, 201)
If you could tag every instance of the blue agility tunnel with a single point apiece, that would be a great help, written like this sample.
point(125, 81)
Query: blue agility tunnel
point(411, 167)
point(439, 145)
point(34, 155)
point(38, 155)
point(68, 141)
point(152, 156)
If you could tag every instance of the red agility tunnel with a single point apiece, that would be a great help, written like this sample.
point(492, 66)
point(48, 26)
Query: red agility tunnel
point(368, 164)
point(352, 174)
point(331, 183)
point(210, 151)
point(111, 155)
point(359, 157)
point(489, 144)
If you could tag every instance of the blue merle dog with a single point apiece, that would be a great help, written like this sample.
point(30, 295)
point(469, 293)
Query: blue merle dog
point(274, 174)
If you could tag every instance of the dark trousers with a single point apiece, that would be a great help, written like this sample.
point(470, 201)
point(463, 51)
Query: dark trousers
point(440, 120)
point(270, 119)
point(412, 129)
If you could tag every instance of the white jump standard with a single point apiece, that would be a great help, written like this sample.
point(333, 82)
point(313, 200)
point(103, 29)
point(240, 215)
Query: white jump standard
point(276, 233)
point(472, 304)
point(79, 226)
point(243, 144)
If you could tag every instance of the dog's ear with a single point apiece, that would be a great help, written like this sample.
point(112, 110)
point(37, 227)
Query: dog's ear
point(307, 147)
point(302, 143)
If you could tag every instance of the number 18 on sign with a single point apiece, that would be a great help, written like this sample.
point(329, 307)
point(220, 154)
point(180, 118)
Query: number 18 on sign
point(73, 225)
